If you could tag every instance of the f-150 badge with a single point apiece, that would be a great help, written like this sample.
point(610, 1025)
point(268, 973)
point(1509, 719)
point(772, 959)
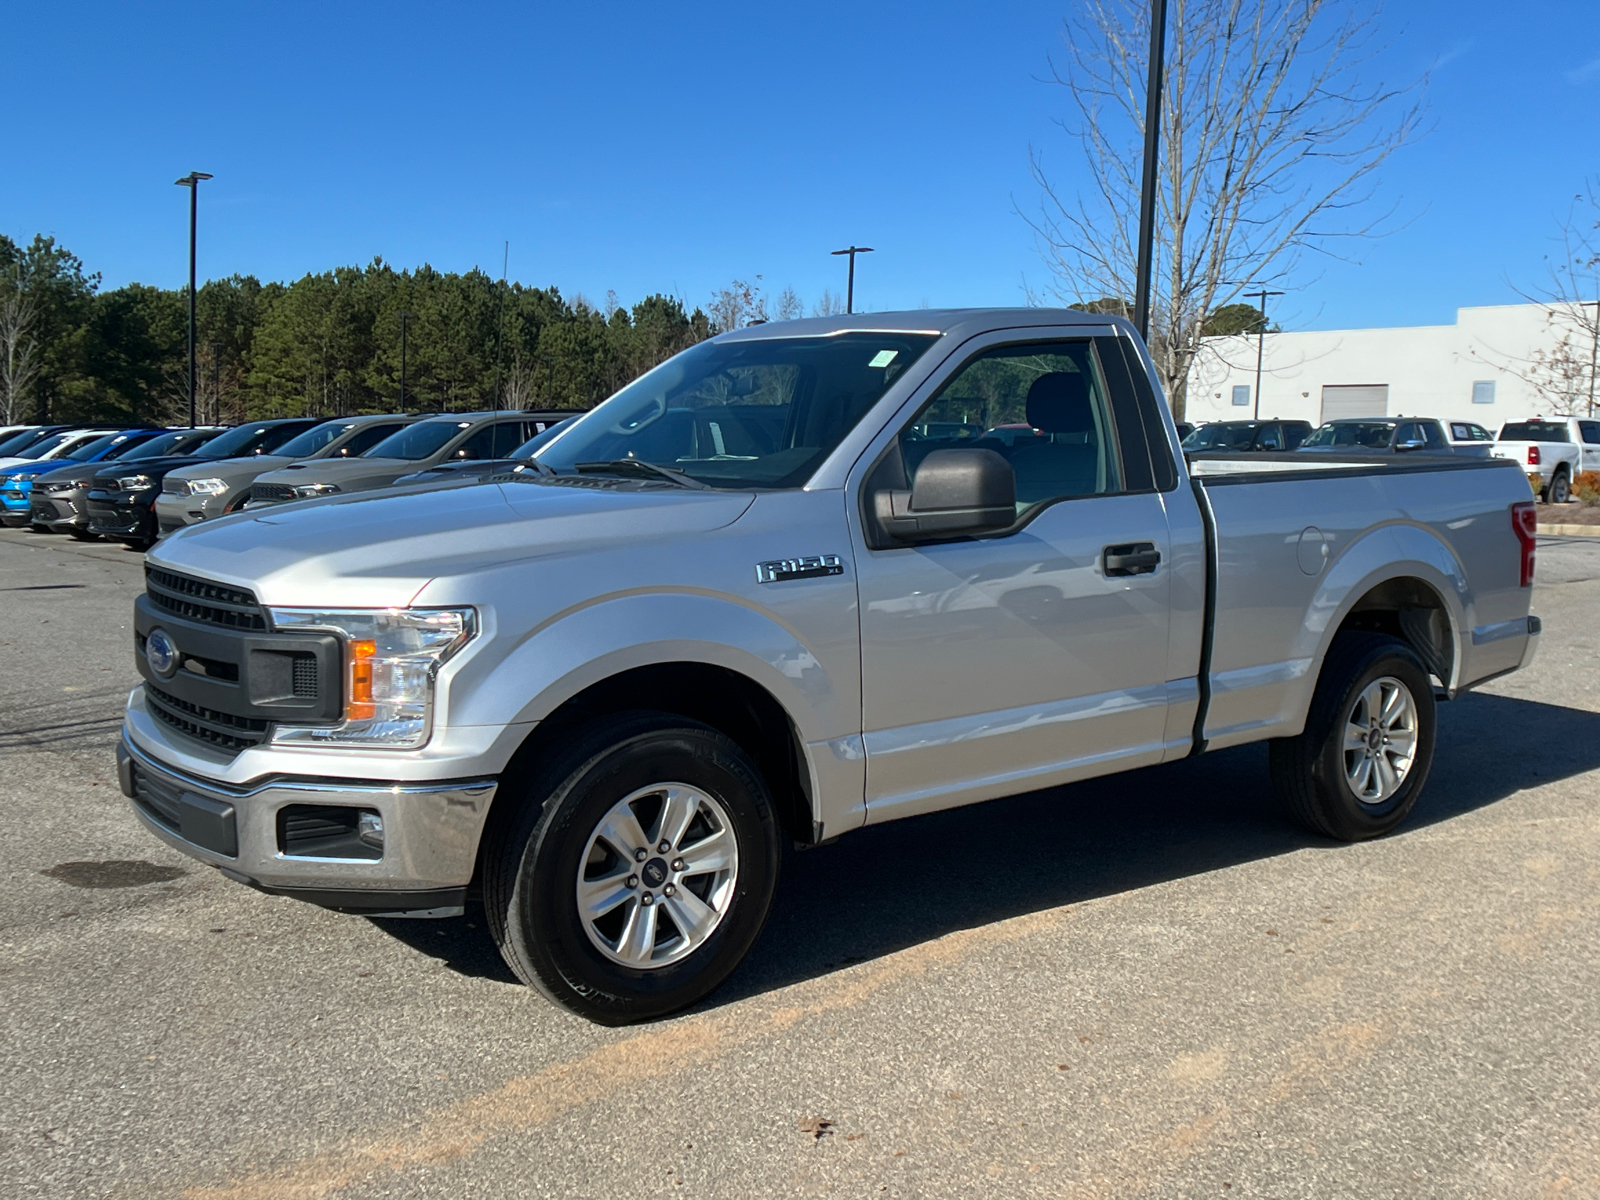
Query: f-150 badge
point(810, 566)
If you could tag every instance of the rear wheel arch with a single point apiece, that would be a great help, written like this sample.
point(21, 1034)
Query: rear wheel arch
point(1412, 610)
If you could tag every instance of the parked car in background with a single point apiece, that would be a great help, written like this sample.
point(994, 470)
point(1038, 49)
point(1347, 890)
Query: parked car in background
point(122, 503)
point(454, 471)
point(460, 437)
point(1470, 438)
point(1556, 448)
point(1379, 435)
point(21, 438)
point(211, 489)
point(16, 483)
point(1248, 435)
point(59, 500)
point(56, 445)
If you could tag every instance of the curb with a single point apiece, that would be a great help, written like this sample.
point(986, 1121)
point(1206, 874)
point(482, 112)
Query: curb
point(1569, 530)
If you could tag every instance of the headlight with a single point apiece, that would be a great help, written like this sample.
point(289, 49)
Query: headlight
point(25, 476)
point(391, 657)
point(308, 491)
point(67, 485)
point(207, 487)
point(134, 483)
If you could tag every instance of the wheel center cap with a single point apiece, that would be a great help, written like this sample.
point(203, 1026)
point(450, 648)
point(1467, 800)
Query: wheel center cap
point(1374, 738)
point(654, 872)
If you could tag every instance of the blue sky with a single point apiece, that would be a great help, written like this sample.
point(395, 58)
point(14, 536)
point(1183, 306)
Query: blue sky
point(647, 147)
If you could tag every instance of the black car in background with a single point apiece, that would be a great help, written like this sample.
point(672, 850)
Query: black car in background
point(546, 425)
point(58, 502)
point(121, 498)
point(1379, 435)
point(1248, 435)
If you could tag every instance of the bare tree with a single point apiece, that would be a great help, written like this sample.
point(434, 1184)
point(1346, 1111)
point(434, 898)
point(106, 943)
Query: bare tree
point(790, 306)
point(19, 349)
point(737, 305)
point(1565, 371)
point(1270, 135)
point(827, 305)
point(520, 384)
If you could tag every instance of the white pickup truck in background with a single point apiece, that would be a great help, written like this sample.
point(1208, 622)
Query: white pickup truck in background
point(799, 579)
point(1557, 448)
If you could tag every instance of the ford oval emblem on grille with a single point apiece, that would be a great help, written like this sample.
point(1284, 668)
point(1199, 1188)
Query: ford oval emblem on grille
point(161, 654)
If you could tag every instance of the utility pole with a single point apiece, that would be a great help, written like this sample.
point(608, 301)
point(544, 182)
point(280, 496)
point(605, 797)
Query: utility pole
point(850, 287)
point(500, 324)
point(1594, 354)
point(216, 378)
point(1261, 336)
point(1152, 147)
point(192, 182)
point(404, 316)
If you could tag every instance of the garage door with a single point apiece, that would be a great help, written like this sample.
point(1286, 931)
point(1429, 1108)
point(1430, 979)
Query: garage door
point(1355, 400)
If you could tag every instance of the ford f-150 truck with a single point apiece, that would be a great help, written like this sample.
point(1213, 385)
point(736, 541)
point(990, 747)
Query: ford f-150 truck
point(779, 588)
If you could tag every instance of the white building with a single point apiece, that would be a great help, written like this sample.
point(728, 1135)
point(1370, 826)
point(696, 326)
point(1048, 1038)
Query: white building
point(1495, 364)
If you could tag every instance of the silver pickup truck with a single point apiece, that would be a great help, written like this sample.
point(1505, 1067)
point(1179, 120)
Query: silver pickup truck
point(799, 579)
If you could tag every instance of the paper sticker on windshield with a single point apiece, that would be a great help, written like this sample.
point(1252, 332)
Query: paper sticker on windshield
point(883, 358)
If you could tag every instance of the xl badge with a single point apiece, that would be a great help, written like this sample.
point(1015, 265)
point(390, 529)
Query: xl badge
point(160, 653)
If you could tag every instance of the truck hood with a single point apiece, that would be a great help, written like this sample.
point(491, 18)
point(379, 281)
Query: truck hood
point(347, 474)
point(234, 470)
point(380, 551)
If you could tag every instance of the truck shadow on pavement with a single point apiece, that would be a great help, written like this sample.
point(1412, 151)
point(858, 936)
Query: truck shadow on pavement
point(888, 887)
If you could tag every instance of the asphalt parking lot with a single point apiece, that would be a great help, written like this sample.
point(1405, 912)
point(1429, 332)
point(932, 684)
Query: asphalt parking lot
point(1144, 986)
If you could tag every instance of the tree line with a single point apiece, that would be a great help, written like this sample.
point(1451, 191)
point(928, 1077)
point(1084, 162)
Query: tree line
point(327, 344)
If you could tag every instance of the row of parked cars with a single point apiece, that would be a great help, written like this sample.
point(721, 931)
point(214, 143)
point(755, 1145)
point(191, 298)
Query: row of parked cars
point(1556, 449)
point(135, 485)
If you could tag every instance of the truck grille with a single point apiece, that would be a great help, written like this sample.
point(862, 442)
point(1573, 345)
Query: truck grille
point(202, 601)
point(271, 491)
point(219, 729)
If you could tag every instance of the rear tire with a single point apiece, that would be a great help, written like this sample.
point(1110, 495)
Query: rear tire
point(624, 958)
point(1560, 490)
point(1359, 766)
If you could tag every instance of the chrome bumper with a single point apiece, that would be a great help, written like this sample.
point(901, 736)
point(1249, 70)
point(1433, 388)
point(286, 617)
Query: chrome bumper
point(430, 835)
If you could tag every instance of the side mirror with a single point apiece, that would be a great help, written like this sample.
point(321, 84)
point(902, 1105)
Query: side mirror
point(1413, 444)
point(955, 492)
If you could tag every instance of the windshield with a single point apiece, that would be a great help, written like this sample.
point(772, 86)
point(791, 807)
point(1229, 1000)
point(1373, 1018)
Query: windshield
point(533, 445)
point(18, 442)
point(92, 448)
point(314, 439)
point(419, 441)
point(244, 440)
point(756, 414)
point(1369, 435)
point(1534, 431)
point(179, 441)
point(43, 448)
point(1221, 436)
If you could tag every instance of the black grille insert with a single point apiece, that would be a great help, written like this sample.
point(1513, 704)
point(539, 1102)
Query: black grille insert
point(305, 676)
point(219, 729)
point(202, 601)
point(156, 797)
point(271, 491)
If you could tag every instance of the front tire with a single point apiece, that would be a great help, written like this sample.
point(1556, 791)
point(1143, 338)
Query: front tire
point(1359, 766)
point(585, 904)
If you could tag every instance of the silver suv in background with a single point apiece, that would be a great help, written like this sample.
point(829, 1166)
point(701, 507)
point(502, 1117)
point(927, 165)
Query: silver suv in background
point(207, 490)
point(459, 437)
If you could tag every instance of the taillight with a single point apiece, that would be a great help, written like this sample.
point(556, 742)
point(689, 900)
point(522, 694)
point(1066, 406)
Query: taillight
point(1533, 456)
point(1525, 522)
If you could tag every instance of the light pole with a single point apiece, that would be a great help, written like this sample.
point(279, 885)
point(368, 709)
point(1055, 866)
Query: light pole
point(1261, 341)
point(1147, 190)
point(850, 287)
point(192, 182)
point(1594, 354)
point(404, 316)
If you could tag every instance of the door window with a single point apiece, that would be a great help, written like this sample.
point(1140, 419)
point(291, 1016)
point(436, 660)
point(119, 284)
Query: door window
point(1407, 431)
point(508, 435)
point(1590, 431)
point(1434, 435)
point(1269, 438)
point(479, 445)
point(363, 440)
point(1040, 406)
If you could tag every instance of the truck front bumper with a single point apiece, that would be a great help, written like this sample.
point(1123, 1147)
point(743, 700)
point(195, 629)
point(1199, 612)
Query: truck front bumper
point(257, 835)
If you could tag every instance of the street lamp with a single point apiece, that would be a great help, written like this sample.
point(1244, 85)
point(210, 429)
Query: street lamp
point(1147, 188)
point(850, 287)
point(1261, 341)
point(192, 182)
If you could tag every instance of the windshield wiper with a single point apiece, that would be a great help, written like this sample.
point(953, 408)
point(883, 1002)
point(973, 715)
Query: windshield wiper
point(624, 465)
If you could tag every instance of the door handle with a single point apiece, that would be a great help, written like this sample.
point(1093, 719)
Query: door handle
point(1131, 558)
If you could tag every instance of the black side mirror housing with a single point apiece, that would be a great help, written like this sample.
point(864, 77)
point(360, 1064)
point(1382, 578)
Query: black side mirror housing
point(955, 493)
point(1416, 444)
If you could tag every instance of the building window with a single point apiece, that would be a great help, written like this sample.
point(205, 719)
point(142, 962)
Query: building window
point(1241, 395)
point(1483, 391)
